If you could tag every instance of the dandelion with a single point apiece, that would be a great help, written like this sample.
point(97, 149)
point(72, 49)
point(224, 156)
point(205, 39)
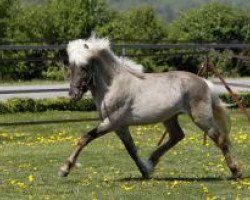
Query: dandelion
point(24, 165)
point(31, 178)
point(127, 187)
point(204, 189)
point(243, 136)
point(210, 163)
point(246, 183)
point(21, 185)
point(222, 159)
point(174, 184)
point(13, 182)
point(172, 173)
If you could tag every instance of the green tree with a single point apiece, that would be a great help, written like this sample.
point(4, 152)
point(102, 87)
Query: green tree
point(75, 19)
point(58, 20)
point(211, 22)
point(29, 24)
point(138, 23)
point(7, 10)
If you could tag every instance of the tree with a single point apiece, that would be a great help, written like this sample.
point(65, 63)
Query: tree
point(211, 22)
point(58, 20)
point(138, 23)
point(6, 12)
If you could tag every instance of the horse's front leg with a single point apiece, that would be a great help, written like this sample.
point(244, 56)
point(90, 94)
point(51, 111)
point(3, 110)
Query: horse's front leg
point(100, 130)
point(128, 142)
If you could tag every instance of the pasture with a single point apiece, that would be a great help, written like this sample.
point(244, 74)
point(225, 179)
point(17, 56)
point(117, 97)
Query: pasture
point(31, 156)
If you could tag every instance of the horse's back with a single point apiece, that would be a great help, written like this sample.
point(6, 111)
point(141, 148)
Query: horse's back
point(163, 95)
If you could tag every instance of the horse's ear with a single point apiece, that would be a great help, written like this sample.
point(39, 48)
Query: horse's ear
point(86, 46)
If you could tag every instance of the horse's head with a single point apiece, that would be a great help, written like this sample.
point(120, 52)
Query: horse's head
point(79, 81)
point(80, 74)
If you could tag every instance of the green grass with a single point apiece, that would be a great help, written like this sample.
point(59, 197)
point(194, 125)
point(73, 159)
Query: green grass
point(31, 156)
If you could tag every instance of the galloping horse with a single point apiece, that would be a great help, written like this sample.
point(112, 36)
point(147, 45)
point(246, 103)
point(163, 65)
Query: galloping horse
point(126, 96)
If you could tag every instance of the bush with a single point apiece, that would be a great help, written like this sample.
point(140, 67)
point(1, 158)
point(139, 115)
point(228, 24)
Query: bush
point(244, 97)
point(15, 105)
point(20, 105)
point(54, 73)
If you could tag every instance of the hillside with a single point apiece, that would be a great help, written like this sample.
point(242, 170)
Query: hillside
point(168, 9)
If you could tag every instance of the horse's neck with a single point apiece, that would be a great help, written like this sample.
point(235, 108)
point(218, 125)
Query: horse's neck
point(104, 71)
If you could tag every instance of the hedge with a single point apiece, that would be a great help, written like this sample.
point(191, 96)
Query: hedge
point(244, 97)
point(15, 105)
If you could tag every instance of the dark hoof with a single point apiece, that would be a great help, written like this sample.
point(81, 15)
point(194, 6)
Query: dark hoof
point(147, 170)
point(63, 173)
point(146, 176)
point(237, 175)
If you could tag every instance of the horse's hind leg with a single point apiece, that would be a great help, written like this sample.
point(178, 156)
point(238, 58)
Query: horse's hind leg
point(128, 142)
point(203, 117)
point(230, 160)
point(175, 135)
point(225, 148)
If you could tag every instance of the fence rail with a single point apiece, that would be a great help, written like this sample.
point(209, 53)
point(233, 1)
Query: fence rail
point(131, 46)
point(26, 91)
point(66, 89)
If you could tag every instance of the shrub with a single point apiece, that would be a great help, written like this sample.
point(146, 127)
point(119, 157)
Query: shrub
point(64, 104)
point(40, 105)
point(244, 98)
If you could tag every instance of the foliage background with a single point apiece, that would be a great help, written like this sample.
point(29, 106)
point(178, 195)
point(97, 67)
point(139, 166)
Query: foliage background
point(58, 21)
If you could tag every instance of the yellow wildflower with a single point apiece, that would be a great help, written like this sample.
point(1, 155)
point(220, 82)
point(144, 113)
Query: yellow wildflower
point(21, 185)
point(31, 178)
point(127, 187)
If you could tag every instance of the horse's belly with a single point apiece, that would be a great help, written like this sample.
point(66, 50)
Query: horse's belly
point(154, 112)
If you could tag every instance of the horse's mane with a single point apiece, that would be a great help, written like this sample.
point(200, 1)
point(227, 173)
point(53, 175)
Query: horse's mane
point(132, 67)
point(80, 50)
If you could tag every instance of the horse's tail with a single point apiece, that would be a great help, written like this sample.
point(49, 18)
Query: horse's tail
point(221, 115)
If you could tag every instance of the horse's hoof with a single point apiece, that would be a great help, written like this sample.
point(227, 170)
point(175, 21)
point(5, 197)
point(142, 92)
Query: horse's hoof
point(150, 166)
point(237, 175)
point(63, 173)
point(148, 170)
point(146, 176)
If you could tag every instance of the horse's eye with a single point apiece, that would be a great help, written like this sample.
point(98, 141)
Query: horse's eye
point(86, 46)
point(84, 68)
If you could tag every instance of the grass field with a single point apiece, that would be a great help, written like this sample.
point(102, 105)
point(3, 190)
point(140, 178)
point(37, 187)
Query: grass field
point(31, 156)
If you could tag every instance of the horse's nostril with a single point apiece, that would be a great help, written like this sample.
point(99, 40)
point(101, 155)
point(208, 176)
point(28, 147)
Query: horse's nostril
point(72, 94)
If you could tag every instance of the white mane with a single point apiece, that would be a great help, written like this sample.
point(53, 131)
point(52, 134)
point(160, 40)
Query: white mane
point(80, 50)
point(127, 63)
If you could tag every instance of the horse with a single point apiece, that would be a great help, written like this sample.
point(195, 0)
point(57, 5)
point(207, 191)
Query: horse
point(126, 96)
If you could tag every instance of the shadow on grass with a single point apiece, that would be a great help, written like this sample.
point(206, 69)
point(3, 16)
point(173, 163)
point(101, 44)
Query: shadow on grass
point(171, 179)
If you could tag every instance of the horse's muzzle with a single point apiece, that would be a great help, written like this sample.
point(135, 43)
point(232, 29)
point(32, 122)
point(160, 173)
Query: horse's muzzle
point(75, 94)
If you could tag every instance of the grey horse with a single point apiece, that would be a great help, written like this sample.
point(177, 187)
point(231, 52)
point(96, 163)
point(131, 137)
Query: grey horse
point(126, 96)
